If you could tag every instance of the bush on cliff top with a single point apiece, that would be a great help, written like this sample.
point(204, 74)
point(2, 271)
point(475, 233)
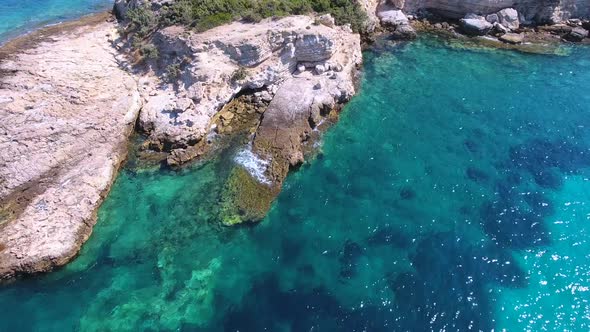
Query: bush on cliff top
point(206, 14)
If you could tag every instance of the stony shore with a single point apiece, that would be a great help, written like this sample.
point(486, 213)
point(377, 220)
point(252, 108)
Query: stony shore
point(72, 94)
point(67, 109)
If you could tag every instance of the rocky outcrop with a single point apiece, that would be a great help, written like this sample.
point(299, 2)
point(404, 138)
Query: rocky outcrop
point(533, 10)
point(538, 11)
point(67, 109)
point(214, 66)
point(506, 21)
point(371, 8)
point(396, 21)
point(300, 104)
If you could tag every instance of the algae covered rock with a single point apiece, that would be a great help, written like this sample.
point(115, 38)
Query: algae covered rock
point(244, 198)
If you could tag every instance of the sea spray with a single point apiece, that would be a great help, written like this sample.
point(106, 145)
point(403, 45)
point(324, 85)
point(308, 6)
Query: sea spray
point(255, 165)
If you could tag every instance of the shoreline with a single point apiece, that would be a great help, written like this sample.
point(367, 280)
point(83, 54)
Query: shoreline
point(44, 33)
point(326, 80)
point(55, 78)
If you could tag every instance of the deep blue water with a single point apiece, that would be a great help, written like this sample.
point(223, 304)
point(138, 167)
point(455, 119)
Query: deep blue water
point(452, 195)
point(20, 16)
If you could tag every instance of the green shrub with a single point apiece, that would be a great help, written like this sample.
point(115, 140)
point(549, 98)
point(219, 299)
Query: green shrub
point(250, 16)
point(212, 21)
point(173, 71)
point(206, 14)
point(142, 20)
point(149, 51)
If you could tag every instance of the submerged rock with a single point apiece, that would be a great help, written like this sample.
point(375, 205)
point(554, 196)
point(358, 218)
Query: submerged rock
point(512, 38)
point(245, 198)
point(405, 31)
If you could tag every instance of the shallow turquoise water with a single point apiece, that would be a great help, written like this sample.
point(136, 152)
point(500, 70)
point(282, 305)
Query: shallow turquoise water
point(453, 194)
point(20, 16)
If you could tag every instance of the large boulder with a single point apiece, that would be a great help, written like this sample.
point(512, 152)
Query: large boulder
point(509, 18)
point(577, 34)
point(398, 22)
point(475, 25)
point(393, 18)
point(493, 18)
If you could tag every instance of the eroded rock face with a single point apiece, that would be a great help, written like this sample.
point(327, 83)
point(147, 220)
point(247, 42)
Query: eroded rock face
point(67, 110)
point(301, 103)
point(216, 65)
point(539, 11)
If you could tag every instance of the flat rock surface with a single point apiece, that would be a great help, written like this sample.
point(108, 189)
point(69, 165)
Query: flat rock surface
point(67, 110)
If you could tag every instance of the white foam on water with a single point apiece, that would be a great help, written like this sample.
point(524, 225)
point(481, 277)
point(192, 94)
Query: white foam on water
point(255, 165)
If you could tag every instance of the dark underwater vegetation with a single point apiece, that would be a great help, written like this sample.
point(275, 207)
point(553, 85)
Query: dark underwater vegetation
point(452, 195)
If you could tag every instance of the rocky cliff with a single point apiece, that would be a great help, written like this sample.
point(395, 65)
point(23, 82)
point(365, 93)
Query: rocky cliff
point(69, 102)
point(305, 67)
point(539, 11)
point(214, 66)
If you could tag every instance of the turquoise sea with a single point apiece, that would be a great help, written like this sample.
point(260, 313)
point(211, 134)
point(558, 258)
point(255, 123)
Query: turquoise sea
point(21, 16)
point(452, 195)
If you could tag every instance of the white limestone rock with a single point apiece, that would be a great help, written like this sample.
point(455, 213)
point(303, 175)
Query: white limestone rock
point(509, 18)
point(393, 18)
point(475, 25)
point(67, 110)
point(268, 52)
